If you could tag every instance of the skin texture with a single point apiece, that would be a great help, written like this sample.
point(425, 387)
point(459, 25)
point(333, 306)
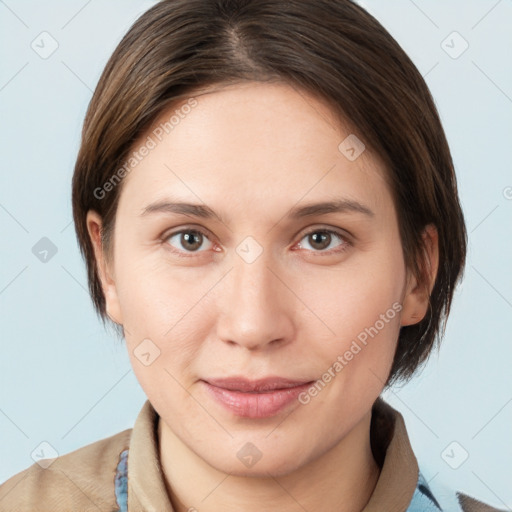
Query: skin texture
point(253, 152)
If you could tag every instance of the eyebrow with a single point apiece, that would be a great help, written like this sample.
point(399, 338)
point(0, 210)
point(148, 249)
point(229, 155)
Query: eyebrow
point(308, 210)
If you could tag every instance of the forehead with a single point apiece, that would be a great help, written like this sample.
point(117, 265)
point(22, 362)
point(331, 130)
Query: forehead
point(252, 146)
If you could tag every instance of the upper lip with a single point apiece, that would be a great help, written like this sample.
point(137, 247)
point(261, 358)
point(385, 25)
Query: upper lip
point(264, 384)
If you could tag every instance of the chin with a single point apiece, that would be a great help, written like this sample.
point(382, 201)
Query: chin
point(250, 461)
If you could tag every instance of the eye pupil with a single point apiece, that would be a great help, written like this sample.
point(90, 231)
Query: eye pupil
point(319, 237)
point(194, 239)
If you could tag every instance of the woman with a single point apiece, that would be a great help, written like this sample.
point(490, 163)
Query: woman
point(267, 206)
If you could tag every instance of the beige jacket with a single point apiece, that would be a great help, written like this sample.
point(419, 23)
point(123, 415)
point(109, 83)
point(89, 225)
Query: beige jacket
point(84, 480)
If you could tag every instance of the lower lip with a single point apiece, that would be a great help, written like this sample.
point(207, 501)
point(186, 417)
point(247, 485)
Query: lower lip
point(253, 404)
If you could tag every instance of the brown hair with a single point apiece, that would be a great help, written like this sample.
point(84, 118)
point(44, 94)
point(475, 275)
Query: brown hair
point(333, 49)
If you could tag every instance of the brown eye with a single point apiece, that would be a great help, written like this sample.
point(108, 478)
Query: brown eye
point(320, 240)
point(187, 240)
point(191, 240)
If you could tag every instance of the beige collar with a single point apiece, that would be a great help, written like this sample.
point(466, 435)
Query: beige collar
point(399, 472)
point(393, 492)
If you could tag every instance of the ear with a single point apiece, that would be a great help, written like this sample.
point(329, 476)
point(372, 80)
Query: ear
point(416, 298)
point(106, 276)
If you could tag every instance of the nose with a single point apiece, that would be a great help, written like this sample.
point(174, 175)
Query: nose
point(256, 308)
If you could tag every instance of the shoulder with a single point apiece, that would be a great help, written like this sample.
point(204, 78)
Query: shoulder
point(80, 480)
point(443, 499)
point(470, 504)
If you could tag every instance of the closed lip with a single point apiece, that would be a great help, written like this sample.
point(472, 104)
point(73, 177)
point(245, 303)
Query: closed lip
point(260, 385)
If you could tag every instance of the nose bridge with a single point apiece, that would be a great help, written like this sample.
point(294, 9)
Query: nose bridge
point(253, 313)
point(252, 281)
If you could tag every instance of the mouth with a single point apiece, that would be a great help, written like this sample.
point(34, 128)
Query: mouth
point(260, 398)
point(260, 385)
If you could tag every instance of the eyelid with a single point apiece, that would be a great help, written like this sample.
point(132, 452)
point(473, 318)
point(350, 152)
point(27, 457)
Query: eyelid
point(188, 227)
point(343, 233)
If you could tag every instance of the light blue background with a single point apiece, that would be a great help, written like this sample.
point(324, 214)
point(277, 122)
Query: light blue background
point(66, 381)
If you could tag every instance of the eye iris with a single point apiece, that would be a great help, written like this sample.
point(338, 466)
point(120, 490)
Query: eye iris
point(320, 237)
point(191, 237)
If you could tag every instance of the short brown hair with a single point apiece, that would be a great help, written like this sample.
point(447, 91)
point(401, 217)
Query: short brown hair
point(333, 49)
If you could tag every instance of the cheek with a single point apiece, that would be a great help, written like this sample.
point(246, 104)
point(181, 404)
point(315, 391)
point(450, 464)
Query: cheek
point(361, 305)
point(365, 340)
point(352, 297)
point(152, 294)
point(157, 312)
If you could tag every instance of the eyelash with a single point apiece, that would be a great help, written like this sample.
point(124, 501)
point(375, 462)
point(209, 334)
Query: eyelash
point(183, 254)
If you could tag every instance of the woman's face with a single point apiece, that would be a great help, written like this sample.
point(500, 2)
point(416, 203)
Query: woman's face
point(253, 282)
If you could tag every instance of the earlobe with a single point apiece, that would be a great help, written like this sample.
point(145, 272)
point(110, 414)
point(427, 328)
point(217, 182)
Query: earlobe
point(417, 295)
point(105, 274)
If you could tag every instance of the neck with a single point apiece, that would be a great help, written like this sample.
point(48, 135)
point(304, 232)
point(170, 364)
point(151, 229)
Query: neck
point(340, 480)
